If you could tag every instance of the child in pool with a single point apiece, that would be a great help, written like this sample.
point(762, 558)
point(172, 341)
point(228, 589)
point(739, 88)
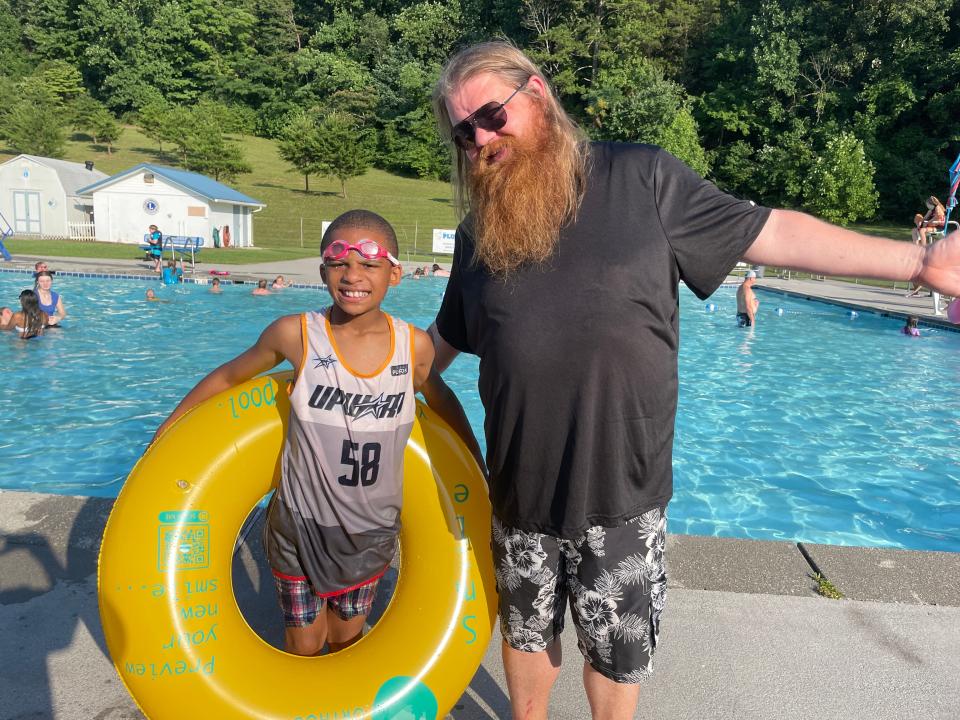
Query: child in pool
point(910, 328)
point(333, 523)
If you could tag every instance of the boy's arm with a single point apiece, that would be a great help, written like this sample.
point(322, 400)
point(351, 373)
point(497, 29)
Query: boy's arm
point(439, 396)
point(445, 352)
point(278, 342)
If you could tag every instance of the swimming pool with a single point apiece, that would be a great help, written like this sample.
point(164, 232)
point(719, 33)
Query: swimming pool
point(814, 426)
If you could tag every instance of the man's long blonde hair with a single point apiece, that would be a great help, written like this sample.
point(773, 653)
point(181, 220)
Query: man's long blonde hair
point(507, 62)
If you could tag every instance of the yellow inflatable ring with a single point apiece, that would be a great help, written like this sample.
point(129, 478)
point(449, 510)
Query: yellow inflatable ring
point(171, 621)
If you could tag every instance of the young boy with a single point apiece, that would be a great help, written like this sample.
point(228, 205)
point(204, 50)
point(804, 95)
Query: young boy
point(333, 523)
point(155, 241)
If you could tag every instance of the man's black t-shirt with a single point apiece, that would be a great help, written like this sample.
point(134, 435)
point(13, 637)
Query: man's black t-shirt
point(578, 356)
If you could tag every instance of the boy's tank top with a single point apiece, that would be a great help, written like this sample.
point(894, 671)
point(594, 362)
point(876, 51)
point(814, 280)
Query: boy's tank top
point(336, 514)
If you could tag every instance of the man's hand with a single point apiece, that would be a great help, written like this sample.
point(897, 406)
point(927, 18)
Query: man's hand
point(941, 265)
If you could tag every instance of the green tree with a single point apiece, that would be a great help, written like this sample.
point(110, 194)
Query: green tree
point(49, 31)
point(637, 103)
point(105, 129)
point(428, 30)
point(205, 149)
point(840, 185)
point(13, 56)
point(34, 124)
point(152, 119)
point(345, 149)
point(410, 144)
point(60, 79)
point(299, 145)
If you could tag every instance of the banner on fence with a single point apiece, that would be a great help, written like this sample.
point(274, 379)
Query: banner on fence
point(443, 241)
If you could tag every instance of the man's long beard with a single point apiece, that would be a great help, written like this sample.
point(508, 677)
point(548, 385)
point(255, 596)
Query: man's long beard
point(520, 204)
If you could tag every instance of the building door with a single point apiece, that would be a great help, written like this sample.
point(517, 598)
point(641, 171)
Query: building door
point(239, 231)
point(26, 212)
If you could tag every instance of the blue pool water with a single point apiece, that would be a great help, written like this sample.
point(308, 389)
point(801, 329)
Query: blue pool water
point(814, 426)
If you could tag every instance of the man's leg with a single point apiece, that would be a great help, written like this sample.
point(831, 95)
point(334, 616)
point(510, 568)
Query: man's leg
point(609, 700)
point(530, 677)
point(532, 601)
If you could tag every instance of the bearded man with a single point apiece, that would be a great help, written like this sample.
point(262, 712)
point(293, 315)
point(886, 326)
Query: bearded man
point(565, 283)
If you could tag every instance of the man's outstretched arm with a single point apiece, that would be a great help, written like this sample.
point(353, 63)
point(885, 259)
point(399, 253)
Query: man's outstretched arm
point(801, 242)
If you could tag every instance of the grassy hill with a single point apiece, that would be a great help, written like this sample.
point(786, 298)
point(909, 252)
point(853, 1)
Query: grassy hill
point(414, 207)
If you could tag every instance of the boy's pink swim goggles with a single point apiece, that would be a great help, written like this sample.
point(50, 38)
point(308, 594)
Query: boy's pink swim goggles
point(369, 249)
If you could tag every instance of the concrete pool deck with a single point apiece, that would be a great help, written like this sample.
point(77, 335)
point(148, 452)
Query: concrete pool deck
point(745, 634)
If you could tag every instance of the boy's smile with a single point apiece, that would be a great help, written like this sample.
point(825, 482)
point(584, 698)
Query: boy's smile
point(357, 284)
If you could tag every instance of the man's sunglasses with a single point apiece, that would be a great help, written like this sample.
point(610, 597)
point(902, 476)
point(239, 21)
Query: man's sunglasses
point(490, 117)
point(369, 249)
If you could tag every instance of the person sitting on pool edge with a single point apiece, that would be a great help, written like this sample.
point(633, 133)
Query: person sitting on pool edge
point(332, 525)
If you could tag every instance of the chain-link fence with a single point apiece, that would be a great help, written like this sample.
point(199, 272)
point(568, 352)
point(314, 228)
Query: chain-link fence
point(415, 240)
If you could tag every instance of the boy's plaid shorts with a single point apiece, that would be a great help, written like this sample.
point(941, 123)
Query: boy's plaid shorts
point(301, 605)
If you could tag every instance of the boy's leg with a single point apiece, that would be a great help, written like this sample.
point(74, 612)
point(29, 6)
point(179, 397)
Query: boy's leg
point(346, 614)
point(343, 633)
point(304, 616)
point(307, 640)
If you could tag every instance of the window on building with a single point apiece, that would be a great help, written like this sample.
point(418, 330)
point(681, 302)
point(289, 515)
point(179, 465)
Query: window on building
point(148, 178)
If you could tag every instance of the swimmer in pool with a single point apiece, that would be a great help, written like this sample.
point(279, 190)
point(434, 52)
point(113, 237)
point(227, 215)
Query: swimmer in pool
point(31, 320)
point(747, 302)
point(261, 288)
point(910, 328)
point(215, 286)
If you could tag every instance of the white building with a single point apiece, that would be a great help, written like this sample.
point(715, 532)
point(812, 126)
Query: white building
point(40, 196)
point(177, 201)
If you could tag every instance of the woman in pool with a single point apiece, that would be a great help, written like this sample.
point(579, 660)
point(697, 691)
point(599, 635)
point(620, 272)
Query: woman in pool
point(279, 283)
point(31, 320)
point(50, 301)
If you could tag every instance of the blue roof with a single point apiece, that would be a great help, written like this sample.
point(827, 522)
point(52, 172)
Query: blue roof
point(194, 182)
